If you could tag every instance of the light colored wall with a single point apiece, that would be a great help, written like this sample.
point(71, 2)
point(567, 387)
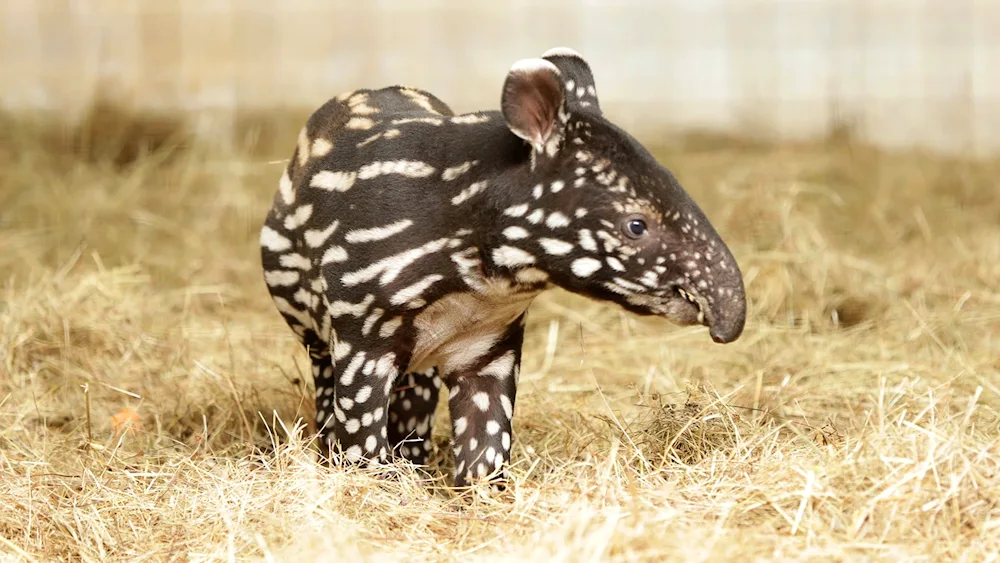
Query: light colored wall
point(906, 71)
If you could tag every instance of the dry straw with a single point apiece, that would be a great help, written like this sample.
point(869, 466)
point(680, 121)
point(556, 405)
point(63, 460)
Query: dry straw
point(151, 399)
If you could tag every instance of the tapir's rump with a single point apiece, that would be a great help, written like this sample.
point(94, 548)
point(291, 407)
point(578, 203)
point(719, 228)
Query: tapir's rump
point(405, 244)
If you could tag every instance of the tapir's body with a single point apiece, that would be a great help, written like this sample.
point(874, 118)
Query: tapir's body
point(406, 243)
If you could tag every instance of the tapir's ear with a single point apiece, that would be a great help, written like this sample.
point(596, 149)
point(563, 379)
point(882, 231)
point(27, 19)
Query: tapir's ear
point(531, 100)
point(581, 90)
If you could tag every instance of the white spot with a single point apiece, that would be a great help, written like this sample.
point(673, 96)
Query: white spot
point(587, 241)
point(360, 123)
point(584, 267)
point(482, 400)
point(334, 181)
point(346, 403)
point(321, 147)
point(516, 210)
point(468, 192)
point(412, 291)
point(505, 440)
point(386, 366)
point(510, 256)
point(456, 171)
point(537, 191)
point(363, 394)
point(536, 216)
point(557, 220)
point(377, 233)
point(352, 426)
point(316, 237)
point(334, 254)
point(515, 233)
point(371, 443)
point(281, 278)
point(353, 453)
point(460, 425)
point(273, 241)
point(615, 263)
point(299, 217)
point(492, 427)
point(557, 186)
point(295, 260)
point(555, 246)
point(473, 444)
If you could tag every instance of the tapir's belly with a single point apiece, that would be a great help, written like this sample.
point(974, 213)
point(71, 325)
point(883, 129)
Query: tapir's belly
point(461, 328)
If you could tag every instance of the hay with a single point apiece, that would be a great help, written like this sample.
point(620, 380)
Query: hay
point(151, 400)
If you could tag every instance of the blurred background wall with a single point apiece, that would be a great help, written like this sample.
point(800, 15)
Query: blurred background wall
point(902, 72)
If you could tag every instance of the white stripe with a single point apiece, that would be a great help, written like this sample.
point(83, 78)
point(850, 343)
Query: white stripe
point(377, 233)
point(408, 168)
point(465, 194)
point(333, 180)
point(295, 260)
point(391, 266)
point(278, 278)
point(415, 290)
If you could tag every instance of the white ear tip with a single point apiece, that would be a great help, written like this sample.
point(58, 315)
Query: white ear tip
point(561, 52)
point(534, 65)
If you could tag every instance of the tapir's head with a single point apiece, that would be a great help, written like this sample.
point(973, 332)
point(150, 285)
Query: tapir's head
point(609, 221)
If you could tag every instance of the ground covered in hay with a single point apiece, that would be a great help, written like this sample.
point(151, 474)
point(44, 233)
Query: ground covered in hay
point(150, 396)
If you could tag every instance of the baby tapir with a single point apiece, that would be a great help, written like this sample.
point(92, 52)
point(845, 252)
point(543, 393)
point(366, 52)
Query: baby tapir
point(406, 243)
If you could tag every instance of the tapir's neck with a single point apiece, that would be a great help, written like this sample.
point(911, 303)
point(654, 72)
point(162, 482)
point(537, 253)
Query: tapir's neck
point(506, 163)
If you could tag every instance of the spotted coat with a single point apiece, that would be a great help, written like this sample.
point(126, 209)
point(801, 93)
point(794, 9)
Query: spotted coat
point(406, 243)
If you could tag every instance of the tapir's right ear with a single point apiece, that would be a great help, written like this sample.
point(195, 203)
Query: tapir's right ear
point(531, 102)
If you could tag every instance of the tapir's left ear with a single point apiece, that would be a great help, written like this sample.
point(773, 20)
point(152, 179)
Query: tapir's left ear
point(581, 92)
point(531, 102)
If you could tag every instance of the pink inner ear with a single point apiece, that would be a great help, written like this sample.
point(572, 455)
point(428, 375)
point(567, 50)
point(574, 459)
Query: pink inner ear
point(531, 98)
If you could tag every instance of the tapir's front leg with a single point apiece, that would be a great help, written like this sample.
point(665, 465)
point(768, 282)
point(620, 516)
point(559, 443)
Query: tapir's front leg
point(481, 402)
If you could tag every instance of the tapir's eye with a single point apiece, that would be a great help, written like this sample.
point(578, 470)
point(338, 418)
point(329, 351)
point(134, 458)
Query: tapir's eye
point(635, 226)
